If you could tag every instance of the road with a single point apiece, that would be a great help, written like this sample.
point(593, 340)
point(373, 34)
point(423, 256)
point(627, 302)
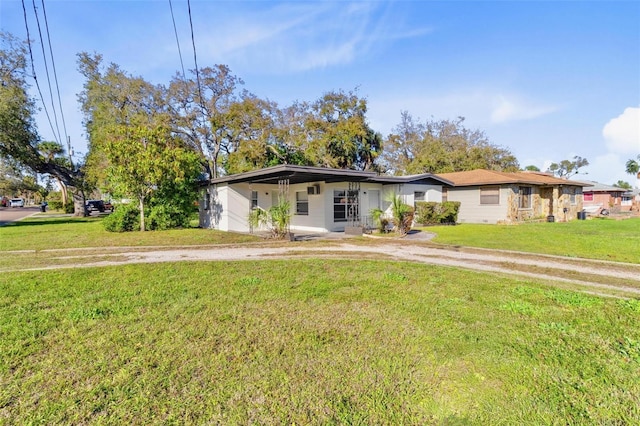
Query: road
point(9, 214)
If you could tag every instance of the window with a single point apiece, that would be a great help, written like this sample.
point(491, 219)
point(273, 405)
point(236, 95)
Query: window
point(588, 196)
point(302, 203)
point(339, 206)
point(572, 197)
point(207, 201)
point(254, 200)
point(525, 197)
point(490, 195)
point(418, 196)
point(445, 195)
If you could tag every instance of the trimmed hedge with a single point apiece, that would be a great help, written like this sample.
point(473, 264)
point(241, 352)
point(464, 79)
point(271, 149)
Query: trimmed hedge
point(432, 213)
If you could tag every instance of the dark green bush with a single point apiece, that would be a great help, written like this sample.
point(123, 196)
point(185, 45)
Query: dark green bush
point(432, 213)
point(58, 206)
point(163, 217)
point(55, 205)
point(123, 219)
point(69, 208)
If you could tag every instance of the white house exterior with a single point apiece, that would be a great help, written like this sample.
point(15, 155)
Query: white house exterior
point(320, 198)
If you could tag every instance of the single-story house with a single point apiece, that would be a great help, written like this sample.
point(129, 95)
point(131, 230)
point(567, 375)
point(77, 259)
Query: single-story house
point(321, 199)
point(488, 196)
point(605, 196)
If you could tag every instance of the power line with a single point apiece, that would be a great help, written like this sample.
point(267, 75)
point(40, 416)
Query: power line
point(33, 70)
point(195, 56)
point(55, 77)
point(175, 30)
point(46, 69)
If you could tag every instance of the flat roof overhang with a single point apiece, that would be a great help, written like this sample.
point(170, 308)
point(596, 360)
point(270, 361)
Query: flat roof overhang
point(306, 174)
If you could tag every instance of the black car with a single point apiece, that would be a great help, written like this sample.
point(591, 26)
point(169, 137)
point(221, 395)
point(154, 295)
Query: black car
point(95, 205)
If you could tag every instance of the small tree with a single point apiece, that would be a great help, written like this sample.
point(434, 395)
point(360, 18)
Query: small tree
point(142, 157)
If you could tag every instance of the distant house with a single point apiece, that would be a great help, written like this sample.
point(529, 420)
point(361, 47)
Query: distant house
point(606, 196)
point(321, 199)
point(488, 196)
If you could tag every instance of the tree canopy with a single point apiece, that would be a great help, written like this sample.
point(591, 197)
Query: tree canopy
point(567, 168)
point(442, 146)
point(19, 138)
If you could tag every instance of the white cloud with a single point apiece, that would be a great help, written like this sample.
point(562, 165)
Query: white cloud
point(305, 36)
point(512, 108)
point(609, 169)
point(480, 107)
point(623, 132)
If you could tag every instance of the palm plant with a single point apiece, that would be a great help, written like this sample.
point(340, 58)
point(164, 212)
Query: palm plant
point(633, 167)
point(280, 218)
point(402, 215)
point(379, 220)
point(277, 219)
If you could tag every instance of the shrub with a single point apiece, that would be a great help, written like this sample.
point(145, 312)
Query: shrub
point(58, 206)
point(162, 217)
point(431, 213)
point(55, 205)
point(125, 218)
point(69, 208)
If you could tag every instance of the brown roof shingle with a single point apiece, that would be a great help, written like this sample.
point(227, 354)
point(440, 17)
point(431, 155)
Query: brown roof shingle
point(491, 177)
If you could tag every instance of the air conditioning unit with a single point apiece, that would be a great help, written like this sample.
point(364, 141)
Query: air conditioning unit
point(313, 190)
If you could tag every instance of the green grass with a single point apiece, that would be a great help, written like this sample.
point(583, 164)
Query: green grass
point(39, 233)
point(605, 239)
point(311, 341)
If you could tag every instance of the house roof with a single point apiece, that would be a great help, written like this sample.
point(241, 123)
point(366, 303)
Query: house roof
point(601, 187)
point(492, 177)
point(306, 174)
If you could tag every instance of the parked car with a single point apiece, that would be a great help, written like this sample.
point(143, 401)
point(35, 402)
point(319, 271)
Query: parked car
point(95, 205)
point(16, 202)
point(108, 206)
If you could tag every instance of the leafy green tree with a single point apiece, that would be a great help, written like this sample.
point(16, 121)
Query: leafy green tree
point(19, 139)
point(532, 168)
point(441, 147)
point(200, 111)
point(339, 135)
point(622, 184)
point(567, 168)
point(143, 156)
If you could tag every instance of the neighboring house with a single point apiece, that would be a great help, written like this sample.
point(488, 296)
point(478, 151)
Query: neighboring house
point(599, 195)
point(321, 199)
point(488, 196)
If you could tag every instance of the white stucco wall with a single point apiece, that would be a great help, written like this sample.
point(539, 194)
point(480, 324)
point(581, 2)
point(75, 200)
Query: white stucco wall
point(230, 204)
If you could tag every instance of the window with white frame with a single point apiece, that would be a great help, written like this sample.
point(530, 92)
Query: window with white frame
point(525, 197)
point(339, 206)
point(302, 203)
point(490, 195)
point(418, 196)
point(254, 200)
point(572, 198)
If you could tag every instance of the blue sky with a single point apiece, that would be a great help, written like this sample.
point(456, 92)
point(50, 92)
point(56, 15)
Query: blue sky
point(547, 80)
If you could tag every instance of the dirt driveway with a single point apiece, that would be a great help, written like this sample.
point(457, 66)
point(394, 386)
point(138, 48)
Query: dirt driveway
point(598, 277)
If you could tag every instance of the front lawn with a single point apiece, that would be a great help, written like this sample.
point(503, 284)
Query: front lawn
point(605, 239)
point(311, 341)
point(49, 232)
